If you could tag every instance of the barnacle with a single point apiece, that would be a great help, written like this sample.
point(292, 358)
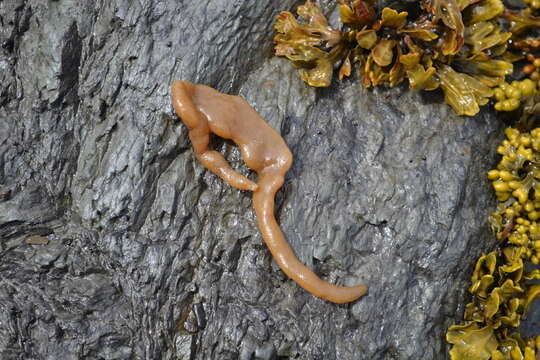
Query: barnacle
point(500, 284)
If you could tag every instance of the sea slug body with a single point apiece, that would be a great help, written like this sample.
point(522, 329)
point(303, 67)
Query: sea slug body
point(204, 111)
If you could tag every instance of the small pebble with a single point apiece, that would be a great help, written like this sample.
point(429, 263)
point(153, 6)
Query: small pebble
point(37, 240)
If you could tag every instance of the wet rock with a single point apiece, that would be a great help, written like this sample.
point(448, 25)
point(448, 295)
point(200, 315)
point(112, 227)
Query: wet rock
point(387, 188)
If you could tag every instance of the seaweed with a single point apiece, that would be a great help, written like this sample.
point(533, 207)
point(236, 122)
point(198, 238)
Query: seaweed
point(457, 46)
point(501, 282)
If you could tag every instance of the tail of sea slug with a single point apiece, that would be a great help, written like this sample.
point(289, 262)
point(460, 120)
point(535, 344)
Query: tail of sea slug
point(263, 202)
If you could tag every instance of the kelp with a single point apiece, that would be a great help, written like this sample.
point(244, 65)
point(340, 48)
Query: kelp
point(520, 98)
point(356, 13)
point(455, 45)
point(449, 13)
point(472, 342)
point(302, 43)
point(483, 11)
point(463, 92)
point(521, 21)
point(501, 282)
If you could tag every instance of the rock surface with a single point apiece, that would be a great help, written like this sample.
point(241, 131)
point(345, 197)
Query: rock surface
point(149, 256)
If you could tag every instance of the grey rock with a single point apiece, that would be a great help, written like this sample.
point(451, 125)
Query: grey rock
point(387, 188)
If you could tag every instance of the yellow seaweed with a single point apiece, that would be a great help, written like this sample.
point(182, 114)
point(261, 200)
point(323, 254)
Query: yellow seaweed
point(471, 342)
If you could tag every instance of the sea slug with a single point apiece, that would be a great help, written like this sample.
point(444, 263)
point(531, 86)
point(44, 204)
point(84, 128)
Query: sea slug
point(204, 111)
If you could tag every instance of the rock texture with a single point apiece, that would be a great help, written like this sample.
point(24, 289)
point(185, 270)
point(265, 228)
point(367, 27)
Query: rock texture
point(149, 256)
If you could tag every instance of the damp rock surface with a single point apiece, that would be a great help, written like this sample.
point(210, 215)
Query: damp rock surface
point(143, 254)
